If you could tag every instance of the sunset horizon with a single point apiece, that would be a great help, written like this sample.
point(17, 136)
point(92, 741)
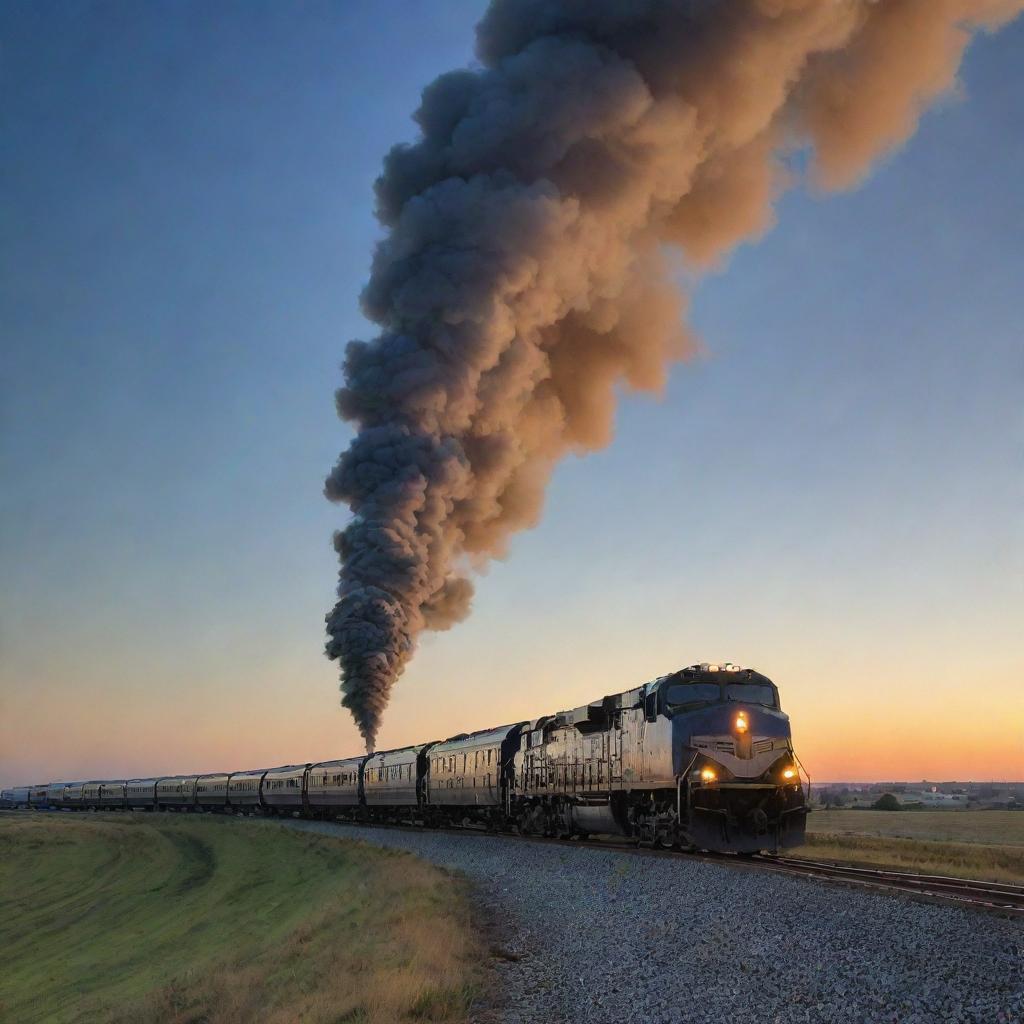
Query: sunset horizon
point(826, 488)
point(510, 512)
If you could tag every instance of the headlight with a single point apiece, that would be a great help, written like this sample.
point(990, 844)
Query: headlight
point(741, 722)
point(789, 774)
point(708, 774)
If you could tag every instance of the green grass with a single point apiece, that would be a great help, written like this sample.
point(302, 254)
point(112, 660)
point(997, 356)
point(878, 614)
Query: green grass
point(175, 919)
point(969, 844)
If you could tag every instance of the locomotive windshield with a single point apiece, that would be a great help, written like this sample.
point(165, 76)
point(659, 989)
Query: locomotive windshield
point(751, 693)
point(684, 696)
point(688, 695)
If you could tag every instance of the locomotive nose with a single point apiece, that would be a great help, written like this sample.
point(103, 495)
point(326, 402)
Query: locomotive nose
point(757, 821)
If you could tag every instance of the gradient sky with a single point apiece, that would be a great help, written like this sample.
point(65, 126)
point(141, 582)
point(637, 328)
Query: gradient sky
point(832, 493)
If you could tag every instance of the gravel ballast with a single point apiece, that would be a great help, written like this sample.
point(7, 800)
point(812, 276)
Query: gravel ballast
point(608, 937)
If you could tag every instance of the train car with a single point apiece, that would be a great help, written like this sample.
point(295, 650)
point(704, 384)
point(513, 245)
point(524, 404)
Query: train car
point(467, 775)
point(393, 780)
point(176, 793)
point(55, 794)
point(6, 799)
point(701, 758)
point(112, 796)
point(212, 791)
point(284, 789)
point(333, 787)
point(244, 791)
point(140, 794)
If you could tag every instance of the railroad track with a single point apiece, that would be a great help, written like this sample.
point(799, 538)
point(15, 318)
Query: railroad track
point(1002, 897)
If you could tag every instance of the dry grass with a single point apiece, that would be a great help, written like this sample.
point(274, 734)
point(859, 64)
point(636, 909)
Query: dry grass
point(1000, 828)
point(168, 919)
point(967, 844)
point(410, 959)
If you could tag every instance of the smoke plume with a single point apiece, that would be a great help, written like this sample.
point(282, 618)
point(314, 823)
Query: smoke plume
point(526, 274)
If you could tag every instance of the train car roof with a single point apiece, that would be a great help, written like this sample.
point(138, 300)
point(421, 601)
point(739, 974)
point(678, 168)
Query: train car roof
point(250, 773)
point(288, 769)
point(340, 761)
point(482, 737)
point(388, 755)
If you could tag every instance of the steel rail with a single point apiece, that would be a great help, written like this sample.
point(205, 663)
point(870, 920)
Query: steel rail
point(1003, 898)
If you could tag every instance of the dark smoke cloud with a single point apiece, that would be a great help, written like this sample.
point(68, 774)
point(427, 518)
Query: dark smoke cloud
point(525, 276)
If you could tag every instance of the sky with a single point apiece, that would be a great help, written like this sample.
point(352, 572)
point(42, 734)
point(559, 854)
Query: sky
point(831, 492)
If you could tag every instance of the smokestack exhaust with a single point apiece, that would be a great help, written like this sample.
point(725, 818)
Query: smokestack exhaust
point(524, 275)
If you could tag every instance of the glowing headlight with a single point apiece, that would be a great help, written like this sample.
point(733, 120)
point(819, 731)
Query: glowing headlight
point(708, 774)
point(789, 773)
point(741, 722)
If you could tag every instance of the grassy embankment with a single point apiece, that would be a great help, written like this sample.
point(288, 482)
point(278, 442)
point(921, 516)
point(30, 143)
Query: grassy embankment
point(968, 844)
point(175, 919)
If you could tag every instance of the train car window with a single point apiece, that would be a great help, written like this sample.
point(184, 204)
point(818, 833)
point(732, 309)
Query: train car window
point(689, 694)
point(751, 693)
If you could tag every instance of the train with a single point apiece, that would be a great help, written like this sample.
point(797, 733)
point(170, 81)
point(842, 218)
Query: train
point(700, 759)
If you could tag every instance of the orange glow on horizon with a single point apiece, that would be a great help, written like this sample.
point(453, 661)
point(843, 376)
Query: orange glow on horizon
point(850, 736)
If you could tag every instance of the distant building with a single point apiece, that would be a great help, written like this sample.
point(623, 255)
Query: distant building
point(932, 798)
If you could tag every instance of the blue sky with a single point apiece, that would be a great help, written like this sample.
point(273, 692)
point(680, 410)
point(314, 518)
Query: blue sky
point(831, 493)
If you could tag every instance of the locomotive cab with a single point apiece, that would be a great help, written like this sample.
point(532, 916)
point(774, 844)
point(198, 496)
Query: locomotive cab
point(738, 776)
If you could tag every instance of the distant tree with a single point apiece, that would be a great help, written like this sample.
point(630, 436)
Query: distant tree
point(886, 802)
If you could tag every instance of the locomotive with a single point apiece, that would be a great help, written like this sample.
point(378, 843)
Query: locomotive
point(701, 758)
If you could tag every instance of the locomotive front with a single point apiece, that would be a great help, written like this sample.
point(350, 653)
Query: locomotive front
point(739, 778)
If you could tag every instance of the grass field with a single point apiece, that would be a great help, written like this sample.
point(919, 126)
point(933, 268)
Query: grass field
point(1003, 828)
point(135, 919)
point(974, 844)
